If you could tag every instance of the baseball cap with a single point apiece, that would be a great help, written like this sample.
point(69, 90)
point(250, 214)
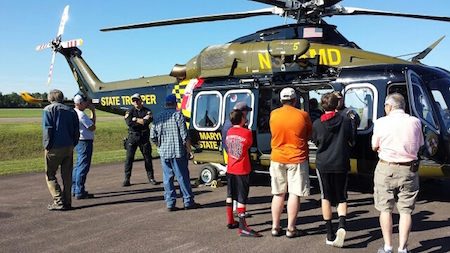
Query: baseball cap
point(171, 99)
point(79, 98)
point(338, 94)
point(287, 94)
point(243, 107)
point(136, 96)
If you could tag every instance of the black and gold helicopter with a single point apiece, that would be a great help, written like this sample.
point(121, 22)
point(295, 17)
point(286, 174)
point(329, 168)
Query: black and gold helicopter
point(310, 55)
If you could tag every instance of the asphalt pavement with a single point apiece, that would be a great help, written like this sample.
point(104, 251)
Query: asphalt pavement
point(135, 219)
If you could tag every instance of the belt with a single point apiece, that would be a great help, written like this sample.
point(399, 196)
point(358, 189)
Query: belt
point(86, 140)
point(392, 163)
point(138, 133)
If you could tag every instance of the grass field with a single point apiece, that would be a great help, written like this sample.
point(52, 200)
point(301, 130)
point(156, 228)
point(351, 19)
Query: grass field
point(21, 150)
point(37, 112)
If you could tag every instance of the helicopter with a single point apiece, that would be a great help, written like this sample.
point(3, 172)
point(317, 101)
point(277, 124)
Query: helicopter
point(310, 55)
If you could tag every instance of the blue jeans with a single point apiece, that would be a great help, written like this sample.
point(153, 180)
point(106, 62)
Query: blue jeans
point(83, 163)
point(179, 168)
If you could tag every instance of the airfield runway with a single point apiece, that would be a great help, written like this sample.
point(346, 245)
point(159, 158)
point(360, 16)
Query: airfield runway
point(135, 219)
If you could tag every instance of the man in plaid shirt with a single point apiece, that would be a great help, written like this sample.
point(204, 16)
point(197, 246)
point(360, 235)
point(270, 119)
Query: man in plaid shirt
point(170, 135)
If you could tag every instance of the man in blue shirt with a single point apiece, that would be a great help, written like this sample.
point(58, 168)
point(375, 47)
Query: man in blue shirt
point(174, 148)
point(60, 134)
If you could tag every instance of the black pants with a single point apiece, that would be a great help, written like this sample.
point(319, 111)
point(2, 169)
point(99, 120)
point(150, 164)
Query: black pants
point(142, 141)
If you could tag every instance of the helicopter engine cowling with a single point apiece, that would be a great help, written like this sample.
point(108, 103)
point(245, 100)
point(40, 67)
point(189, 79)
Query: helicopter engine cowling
point(241, 59)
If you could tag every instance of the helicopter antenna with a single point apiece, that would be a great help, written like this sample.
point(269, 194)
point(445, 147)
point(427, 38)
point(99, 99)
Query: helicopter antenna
point(56, 44)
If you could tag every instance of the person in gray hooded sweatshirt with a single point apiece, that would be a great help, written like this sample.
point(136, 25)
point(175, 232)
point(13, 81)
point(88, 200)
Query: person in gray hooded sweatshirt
point(333, 137)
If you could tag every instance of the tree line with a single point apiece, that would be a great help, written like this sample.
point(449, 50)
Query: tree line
point(14, 100)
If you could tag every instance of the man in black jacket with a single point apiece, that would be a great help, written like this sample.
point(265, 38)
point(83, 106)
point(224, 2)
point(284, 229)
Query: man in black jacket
point(332, 134)
point(138, 119)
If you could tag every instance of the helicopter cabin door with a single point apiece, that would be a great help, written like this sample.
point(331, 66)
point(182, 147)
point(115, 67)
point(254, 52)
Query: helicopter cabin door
point(421, 105)
point(419, 100)
point(230, 99)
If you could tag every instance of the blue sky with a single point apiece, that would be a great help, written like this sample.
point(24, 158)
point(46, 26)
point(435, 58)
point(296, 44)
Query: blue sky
point(129, 54)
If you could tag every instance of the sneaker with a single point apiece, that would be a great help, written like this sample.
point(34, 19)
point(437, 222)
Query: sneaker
point(381, 250)
point(172, 208)
point(193, 206)
point(73, 193)
point(247, 215)
point(85, 196)
point(340, 236)
point(329, 241)
point(249, 233)
point(233, 225)
point(55, 207)
point(153, 181)
point(126, 183)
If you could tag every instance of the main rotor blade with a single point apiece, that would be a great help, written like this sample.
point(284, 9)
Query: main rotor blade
point(425, 52)
point(51, 68)
point(358, 11)
point(207, 18)
point(64, 18)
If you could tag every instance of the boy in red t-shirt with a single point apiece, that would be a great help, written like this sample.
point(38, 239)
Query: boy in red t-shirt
point(238, 141)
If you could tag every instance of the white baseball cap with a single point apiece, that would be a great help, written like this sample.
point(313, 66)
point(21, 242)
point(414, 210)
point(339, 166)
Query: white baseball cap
point(78, 99)
point(287, 94)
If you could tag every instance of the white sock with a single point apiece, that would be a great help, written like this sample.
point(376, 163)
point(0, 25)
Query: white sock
point(401, 250)
point(388, 248)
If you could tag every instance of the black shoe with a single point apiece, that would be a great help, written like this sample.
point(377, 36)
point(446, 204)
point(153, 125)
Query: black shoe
point(55, 207)
point(85, 196)
point(73, 193)
point(126, 183)
point(67, 207)
point(153, 181)
point(193, 206)
point(172, 209)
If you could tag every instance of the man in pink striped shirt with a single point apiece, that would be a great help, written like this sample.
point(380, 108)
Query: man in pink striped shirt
point(397, 138)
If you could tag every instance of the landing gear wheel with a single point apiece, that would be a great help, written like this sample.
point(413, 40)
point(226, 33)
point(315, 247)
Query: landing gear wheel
point(208, 174)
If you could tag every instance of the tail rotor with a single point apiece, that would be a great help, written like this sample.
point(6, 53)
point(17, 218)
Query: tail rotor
point(56, 44)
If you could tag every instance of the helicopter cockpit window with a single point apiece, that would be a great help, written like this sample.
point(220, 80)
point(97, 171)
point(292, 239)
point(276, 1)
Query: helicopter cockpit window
point(233, 97)
point(207, 110)
point(360, 98)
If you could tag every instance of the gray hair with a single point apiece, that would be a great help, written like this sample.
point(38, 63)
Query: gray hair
point(55, 96)
point(396, 100)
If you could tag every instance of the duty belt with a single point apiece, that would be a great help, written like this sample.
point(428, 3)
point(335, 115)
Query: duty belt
point(392, 163)
point(138, 133)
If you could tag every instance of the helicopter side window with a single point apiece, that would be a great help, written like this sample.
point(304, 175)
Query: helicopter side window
point(207, 110)
point(360, 98)
point(233, 97)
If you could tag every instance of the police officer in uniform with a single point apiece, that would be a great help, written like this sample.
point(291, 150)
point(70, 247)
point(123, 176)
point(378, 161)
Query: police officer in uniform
point(138, 119)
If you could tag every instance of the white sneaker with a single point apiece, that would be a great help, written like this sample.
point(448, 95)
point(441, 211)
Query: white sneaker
point(340, 236)
point(329, 242)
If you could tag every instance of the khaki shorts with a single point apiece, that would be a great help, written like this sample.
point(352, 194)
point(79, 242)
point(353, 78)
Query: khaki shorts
point(292, 178)
point(394, 183)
